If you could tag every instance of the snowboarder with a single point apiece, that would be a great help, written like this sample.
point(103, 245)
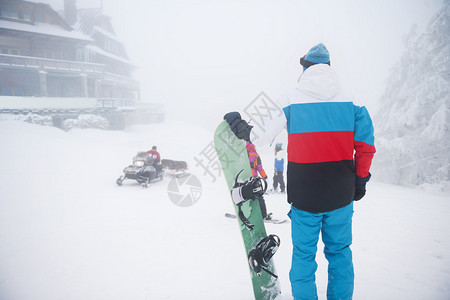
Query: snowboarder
point(256, 166)
point(331, 147)
point(279, 168)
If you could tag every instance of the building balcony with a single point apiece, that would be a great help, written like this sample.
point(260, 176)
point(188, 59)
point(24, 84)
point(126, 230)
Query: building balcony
point(44, 64)
point(48, 105)
point(116, 103)
point(18, 62)
point(119, 80)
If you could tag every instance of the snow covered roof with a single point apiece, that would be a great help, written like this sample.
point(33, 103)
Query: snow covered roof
point(45, 29)
point(92, 21)
point(106, 33)
point(86, 19)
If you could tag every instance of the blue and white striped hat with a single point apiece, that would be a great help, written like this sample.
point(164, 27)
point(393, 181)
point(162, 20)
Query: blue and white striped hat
point(316, 55)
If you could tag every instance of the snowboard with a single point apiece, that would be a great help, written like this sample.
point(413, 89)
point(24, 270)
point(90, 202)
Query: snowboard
point(273, 221)
point(233, 158)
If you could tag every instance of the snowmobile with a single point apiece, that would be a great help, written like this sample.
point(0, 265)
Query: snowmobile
point(144, 170)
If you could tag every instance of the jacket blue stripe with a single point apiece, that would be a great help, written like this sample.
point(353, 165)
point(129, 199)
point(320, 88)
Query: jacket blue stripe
point(364, 131)
point(320, 117)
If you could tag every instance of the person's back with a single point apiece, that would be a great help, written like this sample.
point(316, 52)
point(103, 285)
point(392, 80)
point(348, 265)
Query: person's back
point(332, 146)
point(279, 162)
point(279, 168)
point(322, 123)
point(330, 150)
point(255, 161)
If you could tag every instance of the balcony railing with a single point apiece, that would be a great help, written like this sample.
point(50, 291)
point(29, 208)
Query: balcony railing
point(117, 103)
point(45, 105)
point(115, 79)
point(45, 64)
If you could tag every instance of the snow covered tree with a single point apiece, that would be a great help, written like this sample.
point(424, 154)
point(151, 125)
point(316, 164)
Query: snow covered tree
point(412, 125)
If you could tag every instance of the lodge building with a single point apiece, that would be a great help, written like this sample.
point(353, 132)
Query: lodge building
point(50, 57)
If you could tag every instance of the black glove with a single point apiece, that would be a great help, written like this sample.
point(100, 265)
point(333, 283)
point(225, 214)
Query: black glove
point(360, 187)
point(239, 126)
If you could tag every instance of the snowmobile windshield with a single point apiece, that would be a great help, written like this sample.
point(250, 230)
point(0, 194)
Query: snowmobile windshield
point(139, 163)
point(145, 157)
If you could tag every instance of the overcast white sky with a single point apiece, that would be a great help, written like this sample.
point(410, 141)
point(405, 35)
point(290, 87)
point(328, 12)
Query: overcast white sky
point(203, 58)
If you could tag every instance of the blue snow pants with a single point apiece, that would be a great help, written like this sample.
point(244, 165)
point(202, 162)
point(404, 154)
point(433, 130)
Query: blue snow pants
point(336, 228)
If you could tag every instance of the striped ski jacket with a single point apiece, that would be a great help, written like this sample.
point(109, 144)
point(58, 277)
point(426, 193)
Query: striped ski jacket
point(255, 161)
point(330, 141)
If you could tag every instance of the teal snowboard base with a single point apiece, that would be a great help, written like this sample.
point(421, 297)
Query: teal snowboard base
point(233, 157)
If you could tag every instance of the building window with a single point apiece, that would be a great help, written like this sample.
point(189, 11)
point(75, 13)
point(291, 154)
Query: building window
point(80, 55)
point(38, 16)
point(88, 55)
point(7, 91)
point(26, 14)
point(13, 12)
point(11, 51)
point(18, 92)
point(8, 11)
point(53, 54)
point(4, 10)
point(111, 46)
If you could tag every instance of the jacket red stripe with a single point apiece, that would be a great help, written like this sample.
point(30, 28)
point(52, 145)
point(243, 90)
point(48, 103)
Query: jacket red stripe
point(316, 147)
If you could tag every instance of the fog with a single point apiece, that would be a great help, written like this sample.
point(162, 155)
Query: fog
point(203, 58)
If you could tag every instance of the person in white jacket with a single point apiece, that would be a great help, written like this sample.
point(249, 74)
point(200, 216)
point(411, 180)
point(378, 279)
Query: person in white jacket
point(278, 176)
point(330, 150)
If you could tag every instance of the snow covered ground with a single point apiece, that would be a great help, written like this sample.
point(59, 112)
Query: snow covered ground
point(67, 231)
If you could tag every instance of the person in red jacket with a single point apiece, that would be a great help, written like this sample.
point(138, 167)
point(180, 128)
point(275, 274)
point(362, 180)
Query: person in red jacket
point(154, 154)
point(256, 166)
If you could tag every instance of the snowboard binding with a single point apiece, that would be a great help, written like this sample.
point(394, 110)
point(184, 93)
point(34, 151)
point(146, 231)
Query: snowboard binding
point(261, 254)
point(243, 191)
point(252, 188)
